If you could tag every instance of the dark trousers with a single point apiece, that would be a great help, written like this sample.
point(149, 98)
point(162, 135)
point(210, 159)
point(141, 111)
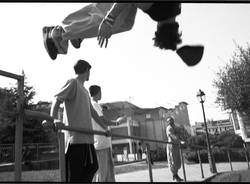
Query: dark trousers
point(81, 163)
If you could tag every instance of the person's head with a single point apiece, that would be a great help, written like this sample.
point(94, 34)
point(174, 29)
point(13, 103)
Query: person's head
point(170, 121)
point(95, 92)
point(82, 69)
point(167, 35)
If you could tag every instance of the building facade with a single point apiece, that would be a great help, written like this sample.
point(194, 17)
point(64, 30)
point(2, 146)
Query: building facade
point(241, 125)
point(213, 127)
point(143, 122)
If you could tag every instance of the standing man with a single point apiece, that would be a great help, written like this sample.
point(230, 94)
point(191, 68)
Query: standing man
point(173, 153)
point(81, 160)
point(102, 144)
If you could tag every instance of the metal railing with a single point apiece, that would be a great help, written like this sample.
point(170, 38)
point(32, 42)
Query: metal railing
point(109, 133)
point(21, 113)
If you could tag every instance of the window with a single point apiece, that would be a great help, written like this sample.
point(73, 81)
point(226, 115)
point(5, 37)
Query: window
point(148, 116)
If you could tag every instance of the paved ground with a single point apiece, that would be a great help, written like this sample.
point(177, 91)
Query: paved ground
point(193, 173)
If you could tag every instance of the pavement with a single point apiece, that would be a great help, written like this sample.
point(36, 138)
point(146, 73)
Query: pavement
point(193, 173)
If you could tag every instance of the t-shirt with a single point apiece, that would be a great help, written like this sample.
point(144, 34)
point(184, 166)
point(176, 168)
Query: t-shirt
point(171, 131)
point(76, 112)
point(162, 11)
point(100, 141)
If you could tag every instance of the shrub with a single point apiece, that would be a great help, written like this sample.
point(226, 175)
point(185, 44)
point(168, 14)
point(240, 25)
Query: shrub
point(159, 154)
point(219, 154)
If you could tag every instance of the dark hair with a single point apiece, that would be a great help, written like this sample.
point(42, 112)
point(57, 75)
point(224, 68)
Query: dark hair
point(81, 66)
point(167, 36)
point(94, 89)
point(170, 119)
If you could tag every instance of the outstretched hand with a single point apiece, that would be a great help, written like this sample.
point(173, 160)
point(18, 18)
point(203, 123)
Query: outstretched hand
point(104, 33)
point(56, 125)
point(48, 125)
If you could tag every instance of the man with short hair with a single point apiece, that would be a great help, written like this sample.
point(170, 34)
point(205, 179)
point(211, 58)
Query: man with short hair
point(81, 160)
point(102, 144)
point(173, 152)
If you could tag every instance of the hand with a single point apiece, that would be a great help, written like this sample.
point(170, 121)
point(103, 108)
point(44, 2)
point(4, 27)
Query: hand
point(104, 33)
point(48, 125)
point(120, 119)
point(58, 125)
point(108, 133)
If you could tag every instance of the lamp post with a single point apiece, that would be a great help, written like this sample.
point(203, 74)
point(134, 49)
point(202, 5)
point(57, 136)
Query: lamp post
point(201, 97)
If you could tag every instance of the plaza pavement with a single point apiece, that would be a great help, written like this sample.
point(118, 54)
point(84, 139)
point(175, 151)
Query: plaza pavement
point(193, 173)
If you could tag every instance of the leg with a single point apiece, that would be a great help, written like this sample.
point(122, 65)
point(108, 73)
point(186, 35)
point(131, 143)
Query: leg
point(93, 165)
point(81, 166)
point(111, 169)
point(84, 23)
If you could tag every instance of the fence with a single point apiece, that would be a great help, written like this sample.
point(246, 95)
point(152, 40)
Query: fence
point(30, 152)
point(21, 112)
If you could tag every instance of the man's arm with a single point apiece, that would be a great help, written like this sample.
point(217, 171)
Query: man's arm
point(97, 118)
point(54, 108)
point(54, 113)
point(173, 136)
point(116, 9)
point(105, 28)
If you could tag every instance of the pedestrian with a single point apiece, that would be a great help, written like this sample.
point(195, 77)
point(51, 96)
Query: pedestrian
point(149, 153)
point(102, 20)
point(102, 144)
point(173, 152)
point(139, 151)
point(81, 161)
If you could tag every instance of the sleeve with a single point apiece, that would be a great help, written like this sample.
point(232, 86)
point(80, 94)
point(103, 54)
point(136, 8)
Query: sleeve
point(125, 21)
point(68, 91)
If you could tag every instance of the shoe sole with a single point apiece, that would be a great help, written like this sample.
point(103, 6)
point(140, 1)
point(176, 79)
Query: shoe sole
point(48, 43)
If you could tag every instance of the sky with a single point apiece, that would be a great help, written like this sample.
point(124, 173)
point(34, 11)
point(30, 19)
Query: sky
point(130, 68)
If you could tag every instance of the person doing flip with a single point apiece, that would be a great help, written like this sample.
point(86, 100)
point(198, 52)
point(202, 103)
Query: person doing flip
point(102, 20)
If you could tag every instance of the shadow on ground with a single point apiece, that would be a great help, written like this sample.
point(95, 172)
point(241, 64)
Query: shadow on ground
point(138, 166)
point(234, 176)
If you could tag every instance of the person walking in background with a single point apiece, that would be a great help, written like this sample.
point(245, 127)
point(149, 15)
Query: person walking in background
point(102, 20)
point(102, 144)
point(139, 151)
point(81, 161)
point(173, 152)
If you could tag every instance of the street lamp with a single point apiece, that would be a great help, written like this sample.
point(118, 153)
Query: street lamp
point(201, 97)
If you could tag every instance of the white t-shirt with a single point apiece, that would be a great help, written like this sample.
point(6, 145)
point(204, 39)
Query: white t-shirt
point(100, 141)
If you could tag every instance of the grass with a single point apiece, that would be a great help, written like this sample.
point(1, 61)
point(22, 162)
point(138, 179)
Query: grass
point(54, 176)
point(234, 176)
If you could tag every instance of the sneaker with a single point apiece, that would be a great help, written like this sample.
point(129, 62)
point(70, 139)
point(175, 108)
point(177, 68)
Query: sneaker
point(61, 45)
point(177, 178)
point(76, 42)
point(191, 55)
point(48, 43)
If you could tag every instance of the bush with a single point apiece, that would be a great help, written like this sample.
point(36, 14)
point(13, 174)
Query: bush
point(159, 154)
point(219, 154)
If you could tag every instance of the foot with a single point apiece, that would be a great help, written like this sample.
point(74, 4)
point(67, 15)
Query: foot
point(61, 45)
point(191, 55)
point(177, 178)
point(76, 42)
point(48, 43)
